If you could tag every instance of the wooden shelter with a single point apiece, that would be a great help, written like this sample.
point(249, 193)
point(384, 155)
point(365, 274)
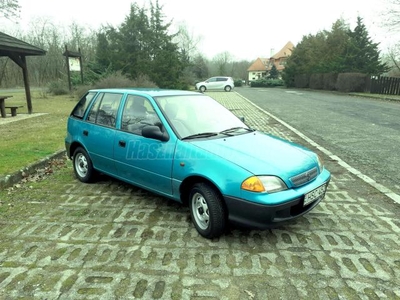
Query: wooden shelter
point(18, 50)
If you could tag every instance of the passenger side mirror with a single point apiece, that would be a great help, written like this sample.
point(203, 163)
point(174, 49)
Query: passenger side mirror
point(241, 118)
point(154, 132)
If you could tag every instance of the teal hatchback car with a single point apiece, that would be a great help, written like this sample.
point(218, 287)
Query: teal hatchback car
point(187, 147)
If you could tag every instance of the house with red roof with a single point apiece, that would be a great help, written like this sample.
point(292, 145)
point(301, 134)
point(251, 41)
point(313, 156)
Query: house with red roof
point(261, 66)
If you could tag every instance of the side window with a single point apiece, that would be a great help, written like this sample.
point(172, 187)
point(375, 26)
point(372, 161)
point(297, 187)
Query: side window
point(138, 112)
point(213, 79)
point(80, 108)
point(104, 111)
point(107, 114)
point(222, 79)
point(95, 108)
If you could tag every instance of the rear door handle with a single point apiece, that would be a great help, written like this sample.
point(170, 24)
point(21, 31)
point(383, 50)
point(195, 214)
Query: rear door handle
point(85, 133)
point(122, 144)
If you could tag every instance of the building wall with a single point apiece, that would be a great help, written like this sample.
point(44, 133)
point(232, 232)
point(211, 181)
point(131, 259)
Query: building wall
point(254, 75)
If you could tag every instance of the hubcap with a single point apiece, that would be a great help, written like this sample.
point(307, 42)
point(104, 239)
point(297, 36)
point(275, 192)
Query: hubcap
point(200, 211)
point(81, 165)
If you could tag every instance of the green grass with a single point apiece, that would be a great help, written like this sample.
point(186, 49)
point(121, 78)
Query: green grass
point(26, 141)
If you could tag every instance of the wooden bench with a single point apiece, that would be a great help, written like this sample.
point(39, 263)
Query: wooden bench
point(14, 109)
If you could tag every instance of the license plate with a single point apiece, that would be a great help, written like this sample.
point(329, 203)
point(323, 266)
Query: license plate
point(312, 196)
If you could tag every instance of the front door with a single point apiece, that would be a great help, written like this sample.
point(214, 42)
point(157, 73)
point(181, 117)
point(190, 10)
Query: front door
point(142, 161)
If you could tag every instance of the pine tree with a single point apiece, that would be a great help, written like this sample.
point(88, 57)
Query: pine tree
point(273, 73)
point(141, 45)
point(362, 53)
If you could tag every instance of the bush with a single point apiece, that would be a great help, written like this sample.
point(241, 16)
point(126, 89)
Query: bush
point(330, 81)
point(266, 82)
point(351, 82)
point(238, 82)
point(118, 80)
point(317, 81)
point(301, 81)
point(58, 87)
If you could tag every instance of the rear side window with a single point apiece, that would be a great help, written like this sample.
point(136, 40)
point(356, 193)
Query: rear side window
point(104, 110)
point(80, 108)
point(222, 79)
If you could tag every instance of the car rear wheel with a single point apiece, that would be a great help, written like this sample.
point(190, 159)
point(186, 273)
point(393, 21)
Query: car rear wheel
point(207, 211)
point(202, 89)
point(83, 166)
point(228, 88)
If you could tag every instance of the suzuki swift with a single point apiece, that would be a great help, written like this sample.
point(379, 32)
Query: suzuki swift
point(187, 147)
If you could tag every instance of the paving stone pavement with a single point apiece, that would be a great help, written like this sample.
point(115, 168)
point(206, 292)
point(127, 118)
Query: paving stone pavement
point(109, 240)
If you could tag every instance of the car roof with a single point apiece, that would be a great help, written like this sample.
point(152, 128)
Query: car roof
point(153, 92)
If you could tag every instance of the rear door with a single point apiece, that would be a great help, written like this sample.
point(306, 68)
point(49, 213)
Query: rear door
point(98, 132)
point(221, 82)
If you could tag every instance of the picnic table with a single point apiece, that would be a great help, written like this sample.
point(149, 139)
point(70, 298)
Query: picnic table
point(3, 107)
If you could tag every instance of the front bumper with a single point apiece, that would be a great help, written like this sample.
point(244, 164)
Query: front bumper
point(261, 216)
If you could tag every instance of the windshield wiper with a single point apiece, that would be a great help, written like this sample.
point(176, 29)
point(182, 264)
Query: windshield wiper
point(200, 135)
point(233, 129)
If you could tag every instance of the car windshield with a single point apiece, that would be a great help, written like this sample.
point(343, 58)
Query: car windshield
point(199, 116)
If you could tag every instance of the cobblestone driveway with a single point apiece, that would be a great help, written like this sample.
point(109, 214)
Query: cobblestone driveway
point(61, 239)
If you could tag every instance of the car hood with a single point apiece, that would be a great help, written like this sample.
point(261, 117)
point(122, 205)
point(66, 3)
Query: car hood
point(261, 154)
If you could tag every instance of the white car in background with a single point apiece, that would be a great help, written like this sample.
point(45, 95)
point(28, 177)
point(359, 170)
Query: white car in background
point(216, 83)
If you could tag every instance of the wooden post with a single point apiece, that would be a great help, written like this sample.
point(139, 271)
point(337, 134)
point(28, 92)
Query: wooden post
point(68, 70)
point(26, 81)
point(80, 63)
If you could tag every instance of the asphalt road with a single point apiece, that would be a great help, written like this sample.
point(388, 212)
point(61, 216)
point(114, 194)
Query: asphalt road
point(364, 132)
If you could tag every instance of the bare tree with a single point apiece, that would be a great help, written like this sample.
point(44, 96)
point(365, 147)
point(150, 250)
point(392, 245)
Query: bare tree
point(10, 9)
point(391, 21)
point(391, 15)
point(393, 60)
point(52, 38)
point(221, 61)
point(187, 41)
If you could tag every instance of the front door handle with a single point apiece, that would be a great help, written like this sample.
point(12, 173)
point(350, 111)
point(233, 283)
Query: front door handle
point(85, 133)
point(122, 144)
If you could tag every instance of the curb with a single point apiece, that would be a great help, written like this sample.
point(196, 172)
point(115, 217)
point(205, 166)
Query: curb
point(11, 179)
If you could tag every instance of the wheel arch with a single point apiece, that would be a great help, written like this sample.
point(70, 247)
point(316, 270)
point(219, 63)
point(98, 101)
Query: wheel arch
point(73, 147)
point(188, 182)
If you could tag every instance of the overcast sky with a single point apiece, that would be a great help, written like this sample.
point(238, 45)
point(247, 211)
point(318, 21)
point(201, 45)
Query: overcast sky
point(247, 29)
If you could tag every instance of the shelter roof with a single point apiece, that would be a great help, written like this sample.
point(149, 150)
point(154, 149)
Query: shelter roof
point(9, 44)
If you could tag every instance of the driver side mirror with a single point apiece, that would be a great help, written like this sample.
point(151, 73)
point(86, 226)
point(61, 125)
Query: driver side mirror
point(154, 132)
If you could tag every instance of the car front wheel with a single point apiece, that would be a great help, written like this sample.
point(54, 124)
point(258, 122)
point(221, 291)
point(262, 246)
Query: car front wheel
point(83, 167)
point(228, 88)
point(202, 89)
point(207, 211)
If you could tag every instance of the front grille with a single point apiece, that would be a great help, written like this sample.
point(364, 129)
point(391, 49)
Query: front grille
point(304, 178)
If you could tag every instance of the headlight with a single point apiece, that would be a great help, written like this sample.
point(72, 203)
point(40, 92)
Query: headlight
point(269, 184)
point(320, 163)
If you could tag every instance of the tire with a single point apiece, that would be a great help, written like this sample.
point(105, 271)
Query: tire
point(202, 89)
point(228, 88)
point(83, 166)
point(207, 211)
